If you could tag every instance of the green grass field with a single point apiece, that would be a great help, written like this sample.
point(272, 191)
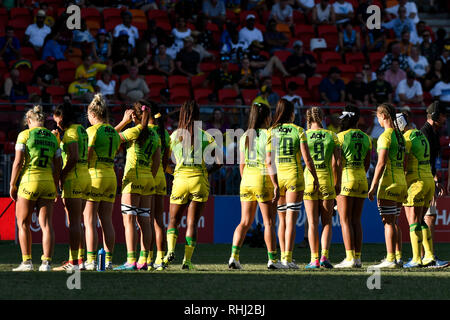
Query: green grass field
point(213, 280)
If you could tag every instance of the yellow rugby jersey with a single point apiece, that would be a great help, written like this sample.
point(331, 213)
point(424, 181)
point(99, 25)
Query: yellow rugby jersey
point(105, 141)
point(40, 147)
point(165, 140)
point(139, 156)
point(192, 160)
point(355, 145)
point(417, 148)
point(287, 139)
point(321, 143)
point(76, 133)
point(255, 158)
point(396, 154)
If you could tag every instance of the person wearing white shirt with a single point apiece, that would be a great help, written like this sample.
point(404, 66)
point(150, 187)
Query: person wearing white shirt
point(133, 33)
point(36, 32)
point(343, 10)
point(107, 86)
point(180, 32)
point(305, 6)
point(296, 100)
point(282, 12)
point(417, 63)
point(411, 10)
point(409, 90)
point(249, 33)
point(442, 89)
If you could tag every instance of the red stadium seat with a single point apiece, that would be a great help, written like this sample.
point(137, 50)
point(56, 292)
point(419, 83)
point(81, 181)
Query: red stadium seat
point(357, 59)
point(28, 53)
point(155, 81)
point(179, 95)
point(249, 95)
point(313, 87)
point(36, 64)
point(178, 82)
point(227, 96)
point(2, 136)
point(165, 25)
point(330, 34)
point(158, 15)
point(305, 33)
point(202, 95)
point(348, 71)
point(277, 83)
point(109, 13)
point(330, 57)
point(297, 80)
point(19, 26)
point(35, 90)
point(91, 12)
point(322, 69)
point(208, 67)
point(282, 55)
point(3, 68)
point(299, 18)
point(66, 71)
point(375, 59)
point(232, 16)
point(198, 81)
point(56, 93)
point(15, 13)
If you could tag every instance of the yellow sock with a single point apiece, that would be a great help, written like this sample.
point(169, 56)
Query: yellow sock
point(143, 256)
point(427, 242)
point(235, 250)
point(349, 255)
point(357, 255)
point(131, 257)
point(415, 234)
point(325, 253)
point(81, 254)
point(390, 257)
point(314, 256)
point(26, 257)
point(91, 256)
point(189, 248)
point(108, 257)
point(288, 256)
point(73, 255)
point(159, 257)
point(398, 255)
point(150, 257)
point(172, 235)
point(43, 258)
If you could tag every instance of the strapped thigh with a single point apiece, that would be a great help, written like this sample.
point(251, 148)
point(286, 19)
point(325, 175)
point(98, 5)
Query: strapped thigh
point(127, 209)
point(282, 207)
point(143, 212)
point(294, 206)
point(387, 210)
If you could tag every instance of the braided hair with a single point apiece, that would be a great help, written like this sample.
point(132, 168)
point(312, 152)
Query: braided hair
point(314, 114)
point(389, 110)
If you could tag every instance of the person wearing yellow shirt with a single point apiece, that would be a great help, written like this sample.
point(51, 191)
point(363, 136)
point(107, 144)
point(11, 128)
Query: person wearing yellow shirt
point(262, 98)
point(81, 89)
point(88, 69)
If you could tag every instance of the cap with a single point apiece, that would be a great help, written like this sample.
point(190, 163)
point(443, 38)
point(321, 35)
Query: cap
point(411, 75)
point(256, 43)
point(41, 13)
point(250, 16)
point(103, 31)
point(298, 43)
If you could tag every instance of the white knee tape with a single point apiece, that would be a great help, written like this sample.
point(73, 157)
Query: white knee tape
point(294, 206)
point(143, 212)
point(387, 210)
point(127, 209)
point(282, 207)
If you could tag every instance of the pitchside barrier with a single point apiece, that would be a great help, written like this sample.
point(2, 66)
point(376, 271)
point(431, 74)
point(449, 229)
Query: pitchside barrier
point(220, 218)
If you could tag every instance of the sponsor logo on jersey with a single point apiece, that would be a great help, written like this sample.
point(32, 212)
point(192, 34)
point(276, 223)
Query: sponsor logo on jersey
point(284, 130)
point(357, 135)
point(391, 194)
point(318, 135)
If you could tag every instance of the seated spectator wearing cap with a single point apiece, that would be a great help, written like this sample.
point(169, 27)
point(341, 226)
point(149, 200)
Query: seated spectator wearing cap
point(380, 90)
point(349, 39)
point(81, 90)
point(214, 10)
point(181, 32)
point(163, 63)
point(250, 33)
point(263, 95)
point(394, 74)
point(344, 11)
point(14, 89)
point(323, 13)
point(400, 24)
point(133, 88)
point(247, 79)
point(9, 46)
point(35, 33)
point(223, 78)
point(49, 20)
point(46, 74)
point(102, 47)
point(132, 31)
point(332, 88)
point(83, 38)
point(445, 56)
point(441, 90)
point(274, 40)
point(357, 91)
point(107, 86)
point(395, 53)
point(259, 63)
point(301, 64)
point(88, 69)
point(52, 46)
point(188, 59)
point(409, 91)
point(418, 63)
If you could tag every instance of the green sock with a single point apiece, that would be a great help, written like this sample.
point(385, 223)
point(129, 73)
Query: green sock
point(235, 250)
point(108, 257)
point(91, 256)
point(143, 256)
point(272, 255)
point(131, 257)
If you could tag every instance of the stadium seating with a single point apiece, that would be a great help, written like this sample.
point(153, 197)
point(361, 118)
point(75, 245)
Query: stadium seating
point(66, 71)
point(227, 96)
point(202, 95)
point(178, 82)
point(57, 93)
point(282, 54)
point(249, 95)
point(179, 95)
point(330, 34)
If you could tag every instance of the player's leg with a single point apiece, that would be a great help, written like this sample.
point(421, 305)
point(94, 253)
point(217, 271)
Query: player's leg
point(312, 213)
point(281, 209)
point(358, 205)
point(90, 225)
point(176, 213)
point(82, 247)
point(24, 213)
point(194, 213)
point(326, 216)
point(414, 217)
point(74, 210)
point(345, 209)
point(398, 231)
point(294, 203)
point(129, 205)
point(388, 212)
point(145, 222)
point(159, 229)
point(268, 212)
point(105, 210)
point(45, 208)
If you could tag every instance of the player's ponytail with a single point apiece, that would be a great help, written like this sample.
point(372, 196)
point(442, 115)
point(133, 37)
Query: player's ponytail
point(283, 112)
point(65, 111)
point(158, 115)
point(189, 113)
point(259, 114)
point(98, 108)
point(142, 112)
point(389, 110)
point(36, 114)
point(349, 118)
point(314, 115)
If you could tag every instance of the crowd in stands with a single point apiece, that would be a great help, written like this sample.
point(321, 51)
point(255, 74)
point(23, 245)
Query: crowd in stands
point(222, 52)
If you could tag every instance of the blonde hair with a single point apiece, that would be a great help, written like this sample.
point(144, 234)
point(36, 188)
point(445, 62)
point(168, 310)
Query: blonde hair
point(35, 114)
point(98, 107)
point(314, 114)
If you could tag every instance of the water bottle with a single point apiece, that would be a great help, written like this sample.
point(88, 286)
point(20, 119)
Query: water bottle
point(101, 260)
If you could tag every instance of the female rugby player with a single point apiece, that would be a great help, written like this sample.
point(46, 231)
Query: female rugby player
point(325, 152)
point(290, 142)
point(36, 166)
point(356, 147)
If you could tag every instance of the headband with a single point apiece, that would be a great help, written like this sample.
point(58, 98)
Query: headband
point(158, 115)
point(401, 121)
point(346, 114)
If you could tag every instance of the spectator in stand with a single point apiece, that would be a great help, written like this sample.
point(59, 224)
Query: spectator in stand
point(349, 39)
point(293, 97)
point(215, 11)
point(88, 69)
point(405, 44)
point(249, 33)
point(107, 86)
point(411, 10)
point(132, 31)
point(14, 88)
point(323, 13)
point(223, 78)
point(332, 88)
point(361, 13)
point(273, 97)
point(133, 88)
point(83, 38)
point(376, 40)
point(102, 47)
point(81, 90)
point(380, 90)
point(188, 59)
point(46, 74)
point(417, 35)
point(163, 63)
point(400, 24)
point(204, 36)
point(429, 49)
point(283, 13)
point(35, 33)
point(259, 63)
point(263, 95)
point(143, 58)
point(301, 64)
point(247, 79)
point(418, 63)
point(394, 75)
point(181, 32)
point(434, 75)
point(445, 56)
point(344, 12)
point(9, 46)
point(441, 90)
point(122, 56)
point(172, 48)
point(304, 6)
point(409, 90)
point(204, 54)
point(217, 121)
point(233, 47)
point(52, 47)
point(273, 39)
point(395, 53)
point(357, 91)
point(368, 74)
